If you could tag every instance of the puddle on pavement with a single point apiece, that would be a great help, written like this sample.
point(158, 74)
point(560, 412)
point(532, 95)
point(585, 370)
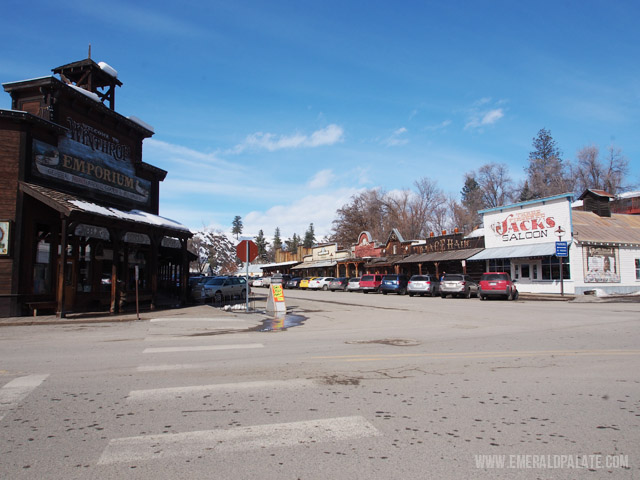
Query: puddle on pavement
point(275, 324)
point(279, 324)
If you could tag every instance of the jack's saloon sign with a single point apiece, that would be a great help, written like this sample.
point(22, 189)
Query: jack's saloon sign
point(537, 223)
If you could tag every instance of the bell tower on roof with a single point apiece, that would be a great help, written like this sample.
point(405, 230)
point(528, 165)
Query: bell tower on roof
point(98, 78)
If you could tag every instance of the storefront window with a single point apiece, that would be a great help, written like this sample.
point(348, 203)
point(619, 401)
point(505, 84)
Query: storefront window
point(138, 259)
point(551, 268)
point(42, 266)
point(500, 265)
point(84, 268)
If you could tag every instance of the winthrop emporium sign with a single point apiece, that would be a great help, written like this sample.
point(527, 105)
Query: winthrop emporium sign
point(90, 158)
point(540, 222)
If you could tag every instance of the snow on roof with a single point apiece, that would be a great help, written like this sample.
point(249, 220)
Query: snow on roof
point(629, 194)
point(141, 123)
point(87, 93)
point(133, 215)
point(478, 232)
point(106, 68)
point(28, 80)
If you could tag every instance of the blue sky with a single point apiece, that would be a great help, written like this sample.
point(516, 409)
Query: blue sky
point(280, 111)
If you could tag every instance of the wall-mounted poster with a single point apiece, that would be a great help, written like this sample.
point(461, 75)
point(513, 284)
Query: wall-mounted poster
point(5, 234)
point(601, 265)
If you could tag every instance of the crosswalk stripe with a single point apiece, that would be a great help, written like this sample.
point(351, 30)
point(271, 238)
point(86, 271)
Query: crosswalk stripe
point(16, 390)
point(190, 444)
point(209, 334)
point(166, 368)
point(196, 319)
point(175, 392)
point(202, 348)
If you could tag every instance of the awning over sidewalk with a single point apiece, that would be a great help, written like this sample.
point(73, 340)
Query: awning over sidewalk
point(519, 251)
point(441, 256)
point(85, 211)
point(316, 264)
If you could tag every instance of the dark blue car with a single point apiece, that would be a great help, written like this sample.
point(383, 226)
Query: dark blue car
point(394, 284)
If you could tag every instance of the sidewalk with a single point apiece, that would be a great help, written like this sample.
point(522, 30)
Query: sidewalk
point(189, 311)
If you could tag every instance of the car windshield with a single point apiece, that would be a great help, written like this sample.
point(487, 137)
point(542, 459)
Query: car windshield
point(494, 276)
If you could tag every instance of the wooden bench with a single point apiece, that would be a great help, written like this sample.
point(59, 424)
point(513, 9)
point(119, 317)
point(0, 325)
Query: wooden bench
point(46, 305)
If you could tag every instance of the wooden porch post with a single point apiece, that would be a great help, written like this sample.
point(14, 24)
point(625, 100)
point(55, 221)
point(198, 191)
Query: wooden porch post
point(153, 266)
point(62, 259)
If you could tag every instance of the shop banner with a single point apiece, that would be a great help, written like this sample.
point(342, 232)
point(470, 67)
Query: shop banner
point(543, 222)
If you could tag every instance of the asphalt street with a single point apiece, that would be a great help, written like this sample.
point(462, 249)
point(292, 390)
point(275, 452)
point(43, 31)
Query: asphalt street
point(345, 386)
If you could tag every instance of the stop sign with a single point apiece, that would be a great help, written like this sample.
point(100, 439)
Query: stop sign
point(241, 250)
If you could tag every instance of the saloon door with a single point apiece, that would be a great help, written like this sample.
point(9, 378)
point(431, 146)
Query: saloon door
point(526, 271)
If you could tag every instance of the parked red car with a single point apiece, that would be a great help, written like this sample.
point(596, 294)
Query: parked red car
point(497, 284)
point(370, 282)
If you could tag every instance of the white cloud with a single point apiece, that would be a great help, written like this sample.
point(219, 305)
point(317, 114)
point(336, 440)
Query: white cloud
point(481, 114)
point(321, 179)
point(296, 216)
point(329, 135)
point(492, 116)
point(439, 126)
point(397, 138)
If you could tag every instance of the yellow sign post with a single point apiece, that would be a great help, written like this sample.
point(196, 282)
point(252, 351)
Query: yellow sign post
point(275, 302)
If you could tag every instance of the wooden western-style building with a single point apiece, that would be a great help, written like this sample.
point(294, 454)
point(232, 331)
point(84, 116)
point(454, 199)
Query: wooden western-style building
point(79, 221)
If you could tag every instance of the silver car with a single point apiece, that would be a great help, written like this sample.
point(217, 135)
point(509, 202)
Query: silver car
point(219, 288)
point(458, 285)
point(423, 285)
point(353, 285)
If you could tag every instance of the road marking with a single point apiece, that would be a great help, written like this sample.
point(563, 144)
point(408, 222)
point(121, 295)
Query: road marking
point(165, 368)
point(471, 355)
point(178, 392)
point(238, 439)
point(195, 319)
point(16, 390)
point(202, 348)
point(207, 334)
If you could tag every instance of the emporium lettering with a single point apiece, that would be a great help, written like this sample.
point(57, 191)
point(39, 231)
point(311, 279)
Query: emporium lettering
point(105, 174)
point(97, 140)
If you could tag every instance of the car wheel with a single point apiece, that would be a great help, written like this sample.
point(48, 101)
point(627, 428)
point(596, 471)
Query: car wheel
point(324, 287)
point(384, 293)
point(410, 294)
point(364, 291)
point(481, 297)
point(443, 295)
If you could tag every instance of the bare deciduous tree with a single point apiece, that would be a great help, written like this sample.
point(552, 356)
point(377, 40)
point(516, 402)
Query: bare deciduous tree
point(413, 212)
point(495, 184)
point(608, 174)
